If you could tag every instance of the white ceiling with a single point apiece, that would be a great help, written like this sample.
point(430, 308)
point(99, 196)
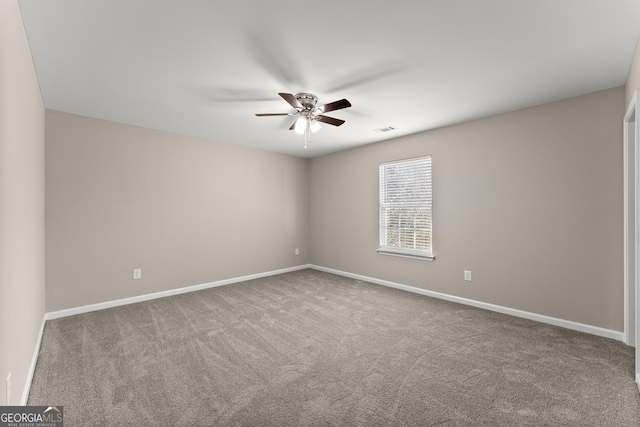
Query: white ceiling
point(204, 68)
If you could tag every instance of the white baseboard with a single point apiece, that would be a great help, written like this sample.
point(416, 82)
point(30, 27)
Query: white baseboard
point(32, 366)
point(568, 324)
point(581, 327)
point(140, 298)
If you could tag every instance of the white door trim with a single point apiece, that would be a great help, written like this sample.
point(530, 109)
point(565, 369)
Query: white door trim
point(630, 209)
point(631, 158)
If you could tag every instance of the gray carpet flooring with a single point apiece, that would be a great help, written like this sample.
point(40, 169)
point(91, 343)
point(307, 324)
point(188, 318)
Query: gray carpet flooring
point(309, 348)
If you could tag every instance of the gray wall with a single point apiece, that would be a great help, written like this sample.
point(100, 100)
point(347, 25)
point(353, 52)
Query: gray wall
point(185, 210)
point(530, 201)
point(21, 203)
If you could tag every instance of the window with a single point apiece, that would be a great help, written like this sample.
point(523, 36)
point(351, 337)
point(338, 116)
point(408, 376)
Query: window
point(405, 208)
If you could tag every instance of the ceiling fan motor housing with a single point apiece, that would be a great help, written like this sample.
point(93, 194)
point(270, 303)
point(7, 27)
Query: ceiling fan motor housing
point(307, 100)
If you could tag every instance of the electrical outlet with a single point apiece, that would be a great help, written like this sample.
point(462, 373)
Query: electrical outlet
point(297, 251)
point(9, 389)
point(137, 273)
point(467, 275)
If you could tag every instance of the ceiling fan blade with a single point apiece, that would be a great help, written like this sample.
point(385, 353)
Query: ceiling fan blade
point(336, 105)
point(292, 100)
point(273, 114)
point(329, 120)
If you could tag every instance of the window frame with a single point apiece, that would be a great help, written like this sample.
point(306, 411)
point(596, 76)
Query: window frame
point(384, 246)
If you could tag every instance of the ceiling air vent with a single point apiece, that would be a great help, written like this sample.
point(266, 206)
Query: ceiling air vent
point(385, 129)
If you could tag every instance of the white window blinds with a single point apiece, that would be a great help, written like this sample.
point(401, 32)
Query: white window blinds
point(405, 208)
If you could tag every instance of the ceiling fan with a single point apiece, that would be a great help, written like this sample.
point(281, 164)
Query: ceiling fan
point(309, 115)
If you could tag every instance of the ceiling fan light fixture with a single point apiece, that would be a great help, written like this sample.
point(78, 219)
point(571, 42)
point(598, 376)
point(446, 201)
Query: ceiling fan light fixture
point(314, 125)
point(301, 125)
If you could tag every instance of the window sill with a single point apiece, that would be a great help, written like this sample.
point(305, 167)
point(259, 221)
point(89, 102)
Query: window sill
point(406, 255)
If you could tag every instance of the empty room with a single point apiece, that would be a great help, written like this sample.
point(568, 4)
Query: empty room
point(357, 213)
